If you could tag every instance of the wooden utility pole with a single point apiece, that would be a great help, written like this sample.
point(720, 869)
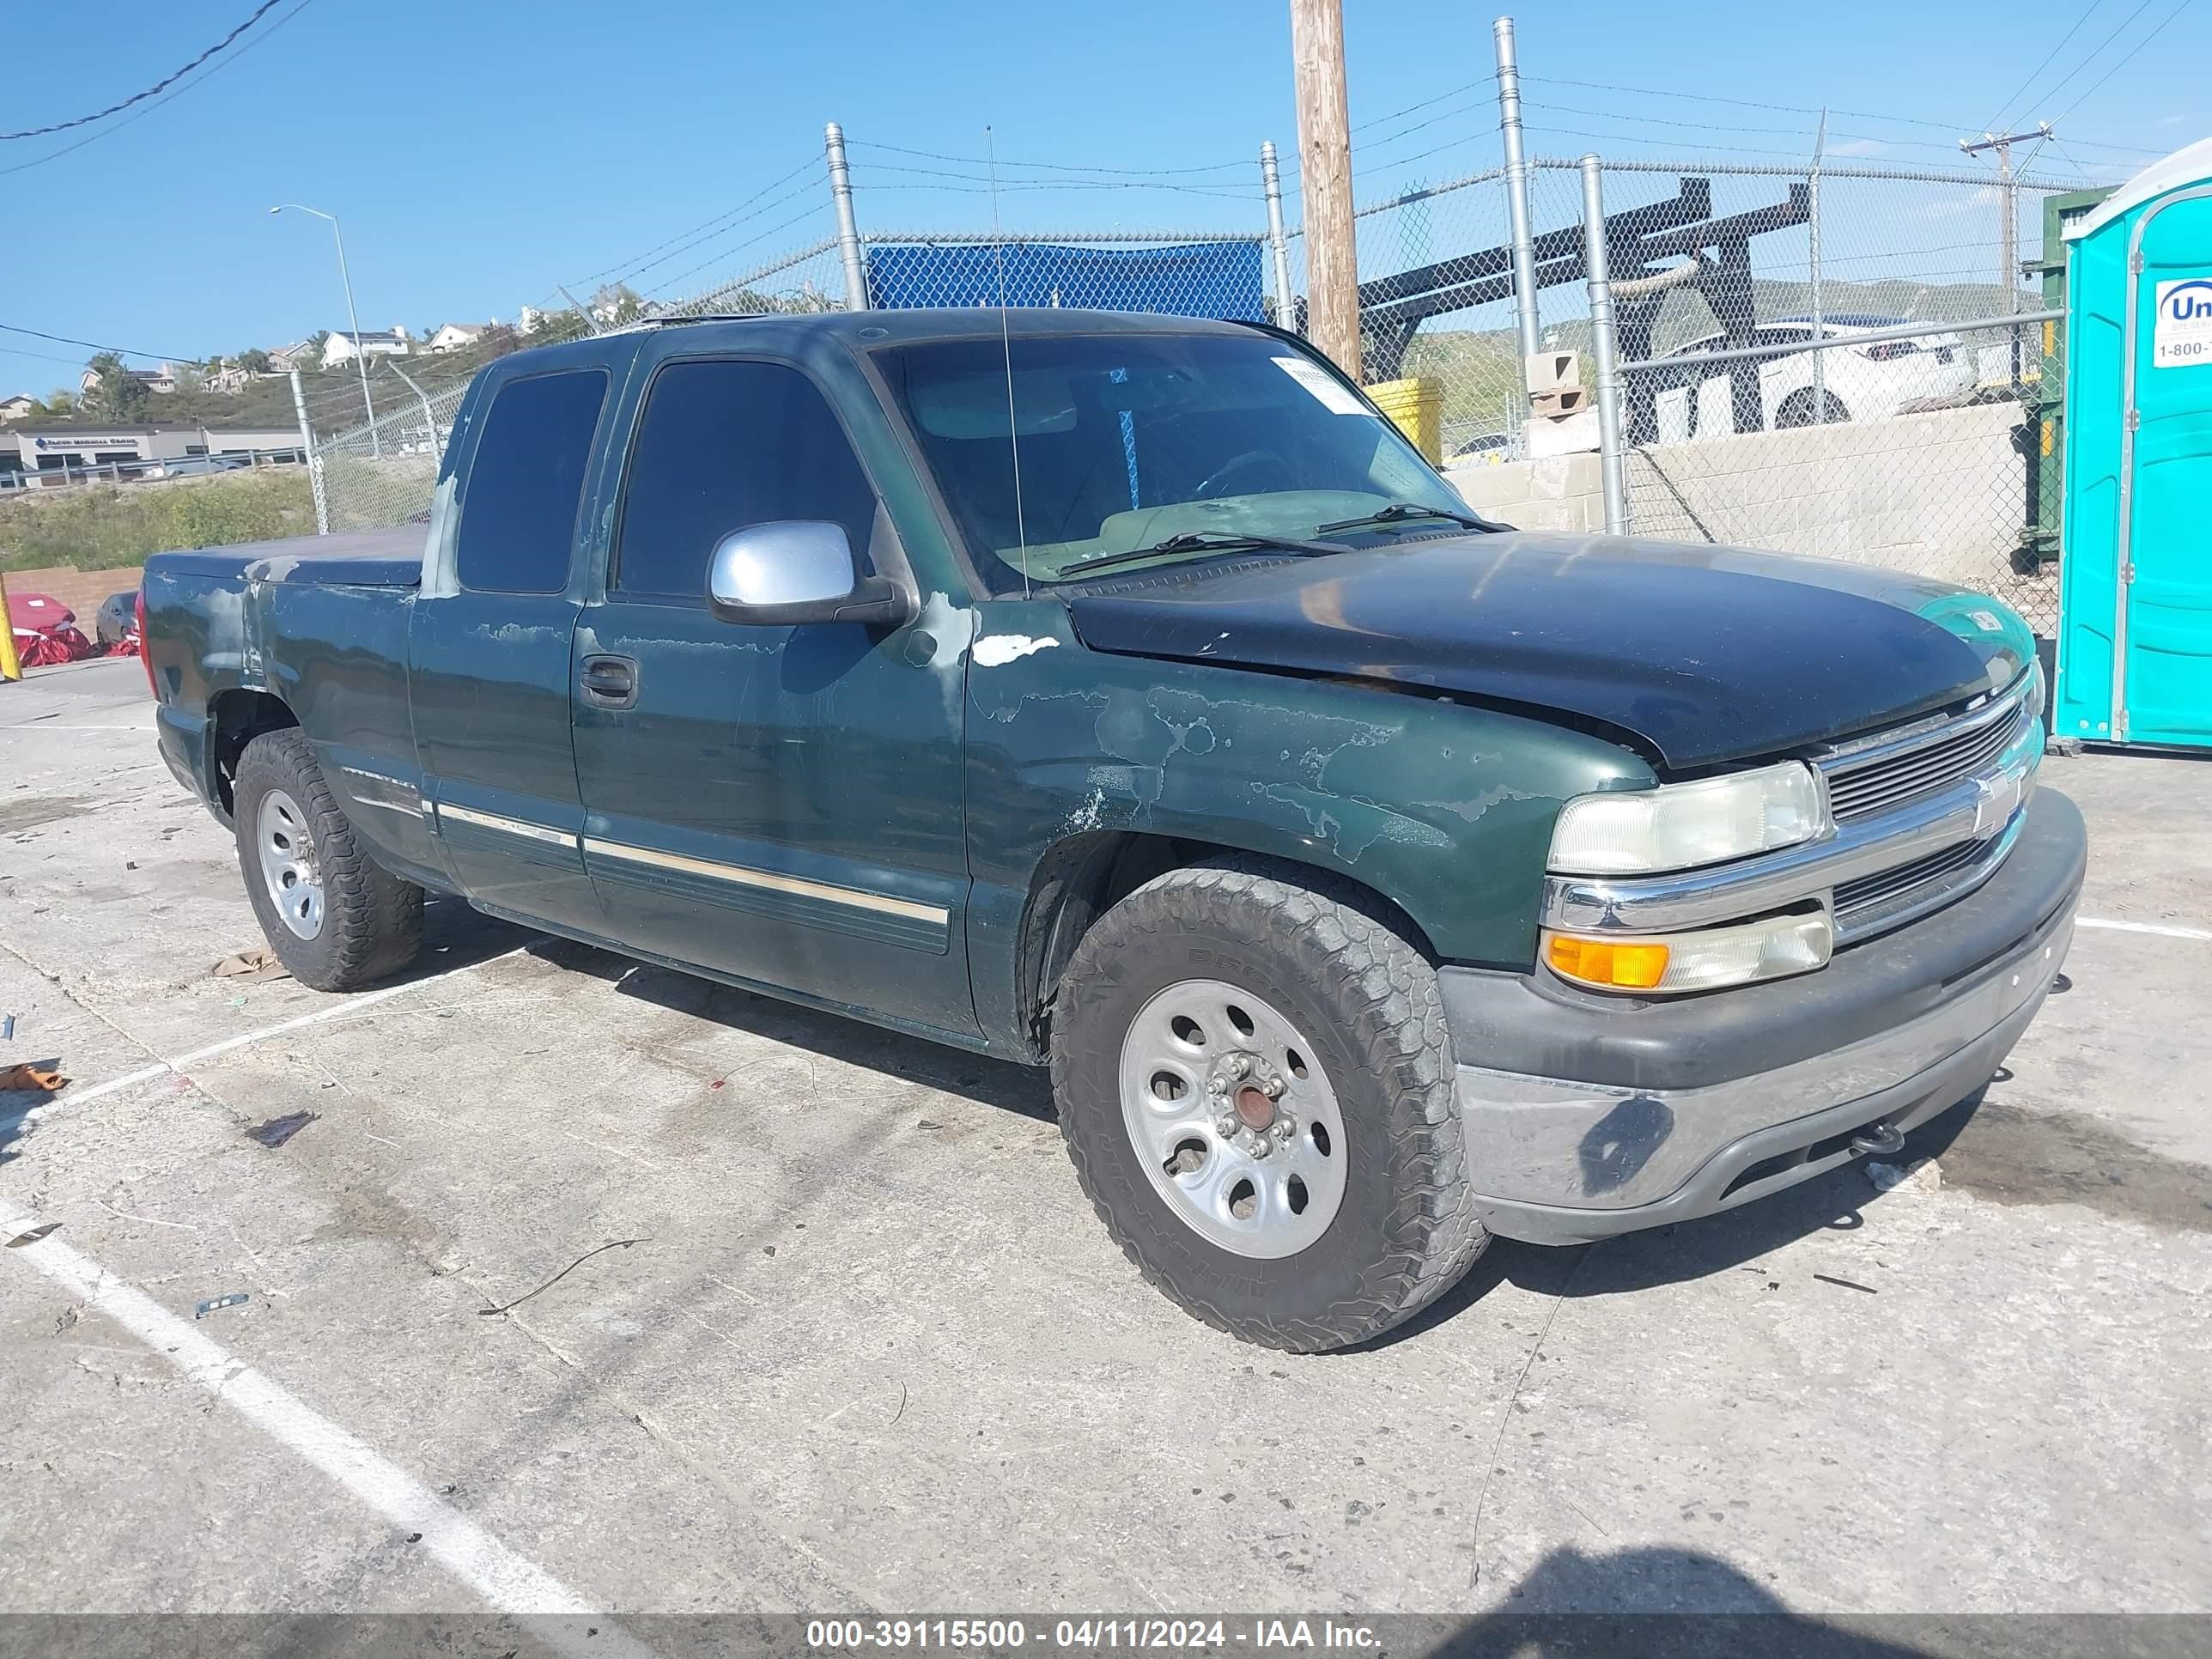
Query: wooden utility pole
point(1325, 179)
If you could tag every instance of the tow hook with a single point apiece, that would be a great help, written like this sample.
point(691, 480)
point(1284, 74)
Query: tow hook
point(1879, 1138)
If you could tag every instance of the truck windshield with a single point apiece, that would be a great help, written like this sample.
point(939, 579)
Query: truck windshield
point(1127, 440)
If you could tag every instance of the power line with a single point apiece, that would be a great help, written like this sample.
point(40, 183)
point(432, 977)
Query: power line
point(1996, 120)
point(2131, 51)
point(2090, 56)
point(174, 93)
point(259, 12)
point(95, 345)
point(1741, 103)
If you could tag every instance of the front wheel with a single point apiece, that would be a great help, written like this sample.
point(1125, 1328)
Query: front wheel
point(1257, 1088)
point(336, 918)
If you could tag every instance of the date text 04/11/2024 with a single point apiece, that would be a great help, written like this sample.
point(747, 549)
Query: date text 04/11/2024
point(1090, 1634)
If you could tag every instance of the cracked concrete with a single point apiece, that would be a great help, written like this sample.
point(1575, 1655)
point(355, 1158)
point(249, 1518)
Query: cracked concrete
point(876, 1354)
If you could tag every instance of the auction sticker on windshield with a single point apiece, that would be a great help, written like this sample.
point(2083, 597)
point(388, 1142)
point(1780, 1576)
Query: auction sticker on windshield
point(1331, 393)
point(2182, 336)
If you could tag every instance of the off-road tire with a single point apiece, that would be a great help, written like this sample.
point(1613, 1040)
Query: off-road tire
point(1368, 1002)
point(372, 919)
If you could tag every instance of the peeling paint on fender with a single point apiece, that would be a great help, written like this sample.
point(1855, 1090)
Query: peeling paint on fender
point(1000, 649)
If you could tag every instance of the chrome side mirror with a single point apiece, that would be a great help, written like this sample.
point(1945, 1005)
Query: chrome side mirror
point(798, 570)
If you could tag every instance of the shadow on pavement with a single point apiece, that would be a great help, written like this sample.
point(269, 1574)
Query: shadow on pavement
point(1666, 1603)
point(1023, 1090)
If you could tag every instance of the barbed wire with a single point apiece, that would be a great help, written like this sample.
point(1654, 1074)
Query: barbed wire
point(631, 266)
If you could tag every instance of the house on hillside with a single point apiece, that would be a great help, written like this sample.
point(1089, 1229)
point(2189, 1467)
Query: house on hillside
point(451, 336)
point(340, 347)
point(16, 408)
point(284, 359)
point(229, 381)
point(161, 379)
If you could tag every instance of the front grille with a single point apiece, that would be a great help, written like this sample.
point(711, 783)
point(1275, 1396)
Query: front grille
point(1859, 789)
point(1870, 890)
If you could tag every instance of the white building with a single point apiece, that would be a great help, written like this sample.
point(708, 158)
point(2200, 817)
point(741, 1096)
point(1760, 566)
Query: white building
point(16, 408)
point(451, 336)
point(340, 347)
point(32, 456)
point(163, 379)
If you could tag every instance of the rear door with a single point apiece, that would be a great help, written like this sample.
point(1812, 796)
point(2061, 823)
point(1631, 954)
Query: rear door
point(488, 650)
point(782, 803)
point(2166, 695)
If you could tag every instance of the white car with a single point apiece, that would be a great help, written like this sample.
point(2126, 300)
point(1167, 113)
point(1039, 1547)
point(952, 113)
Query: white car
point(1858, 383)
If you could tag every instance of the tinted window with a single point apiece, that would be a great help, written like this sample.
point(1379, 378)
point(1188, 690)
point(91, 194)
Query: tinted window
point(1132, 438)
point(518, 518)
point(723, 444)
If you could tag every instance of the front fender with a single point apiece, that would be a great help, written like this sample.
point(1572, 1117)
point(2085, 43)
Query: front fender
point(1443, 808)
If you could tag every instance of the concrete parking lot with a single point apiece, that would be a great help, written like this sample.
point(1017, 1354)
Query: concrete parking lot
point(870, 1350)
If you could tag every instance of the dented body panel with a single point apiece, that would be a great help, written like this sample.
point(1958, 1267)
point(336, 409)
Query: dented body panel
point(898, 821)
point(1693, 655)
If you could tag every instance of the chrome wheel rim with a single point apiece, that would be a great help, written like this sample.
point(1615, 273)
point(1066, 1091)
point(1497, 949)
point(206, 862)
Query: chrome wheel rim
point(1236, 1124)
point(288, 870)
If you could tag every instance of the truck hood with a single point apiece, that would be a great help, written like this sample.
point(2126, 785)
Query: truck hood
point(1699, 655)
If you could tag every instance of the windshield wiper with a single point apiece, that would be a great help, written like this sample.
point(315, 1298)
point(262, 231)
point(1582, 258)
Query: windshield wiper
point(1193, 541)
point(1399, 511)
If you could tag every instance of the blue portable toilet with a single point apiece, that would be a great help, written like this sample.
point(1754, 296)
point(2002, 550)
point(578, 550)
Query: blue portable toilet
point(2135, 641)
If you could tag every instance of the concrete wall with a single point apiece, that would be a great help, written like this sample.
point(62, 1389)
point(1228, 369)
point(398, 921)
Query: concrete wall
point(1559, 492)
point(82, 591)
point(1941, 494)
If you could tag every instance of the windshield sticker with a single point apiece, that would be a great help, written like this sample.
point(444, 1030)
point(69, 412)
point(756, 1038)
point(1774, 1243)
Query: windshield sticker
point(1328, 391)
point(2182, 336)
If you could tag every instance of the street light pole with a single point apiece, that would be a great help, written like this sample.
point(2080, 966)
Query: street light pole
point(360, 356)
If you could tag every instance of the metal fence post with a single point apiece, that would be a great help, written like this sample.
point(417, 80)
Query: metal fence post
point(437, 449)
point(311, 461)
point(1812, 271)
point(1516, 196)
point(1598, 267)
point(848, 234)
point(1271, 181)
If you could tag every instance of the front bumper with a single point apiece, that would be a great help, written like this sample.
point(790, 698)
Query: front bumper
point(1597, 1115)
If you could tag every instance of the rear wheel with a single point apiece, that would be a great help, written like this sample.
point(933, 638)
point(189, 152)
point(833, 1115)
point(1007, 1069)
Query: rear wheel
point(337, 920)
point(1257, 1088)
point(1797, 409)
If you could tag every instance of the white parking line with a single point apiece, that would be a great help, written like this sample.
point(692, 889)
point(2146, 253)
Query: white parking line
point(2157, 928)
point(162, 1068)
point(507, 1582)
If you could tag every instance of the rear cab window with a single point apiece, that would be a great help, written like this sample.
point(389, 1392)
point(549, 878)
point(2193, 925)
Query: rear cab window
point(525, 481)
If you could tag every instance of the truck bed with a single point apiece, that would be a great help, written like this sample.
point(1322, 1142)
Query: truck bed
point(360, 558)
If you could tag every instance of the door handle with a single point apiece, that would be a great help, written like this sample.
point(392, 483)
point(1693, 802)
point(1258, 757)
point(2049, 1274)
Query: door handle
point(608, 682)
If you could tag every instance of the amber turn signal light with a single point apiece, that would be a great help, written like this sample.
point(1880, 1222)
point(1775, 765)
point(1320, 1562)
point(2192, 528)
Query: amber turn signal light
point(1636, 966)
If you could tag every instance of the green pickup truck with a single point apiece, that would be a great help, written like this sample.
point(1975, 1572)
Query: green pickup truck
point(1125, 695)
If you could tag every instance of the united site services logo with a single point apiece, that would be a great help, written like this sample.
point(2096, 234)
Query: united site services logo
point(2189, 302)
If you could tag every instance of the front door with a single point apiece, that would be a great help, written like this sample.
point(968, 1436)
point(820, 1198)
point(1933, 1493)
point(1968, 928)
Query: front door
point(780, 803)
point(2166, 697)
point(488, 657)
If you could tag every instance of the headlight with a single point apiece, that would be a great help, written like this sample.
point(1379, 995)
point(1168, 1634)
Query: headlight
point(1679, 826)
point(1704, 960)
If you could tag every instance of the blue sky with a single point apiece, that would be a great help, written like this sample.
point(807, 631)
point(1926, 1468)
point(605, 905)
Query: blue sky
point(479, 154)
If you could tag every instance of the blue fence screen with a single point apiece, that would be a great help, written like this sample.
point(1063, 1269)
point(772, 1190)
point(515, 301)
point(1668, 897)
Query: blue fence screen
point(1203, 279)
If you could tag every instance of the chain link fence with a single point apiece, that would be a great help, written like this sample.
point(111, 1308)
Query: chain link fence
point(1894, 446)
point(1925, 449)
